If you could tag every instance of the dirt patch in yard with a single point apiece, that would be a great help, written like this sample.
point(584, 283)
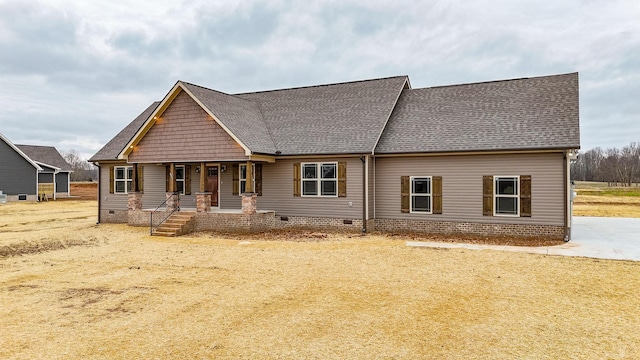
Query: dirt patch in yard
point(128, 295)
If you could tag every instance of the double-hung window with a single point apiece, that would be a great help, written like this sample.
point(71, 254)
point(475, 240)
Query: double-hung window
point(180, 179)
point(319, 179)
point(421, 199)
point(122, 176)
point(243, 178)
point(506, 195)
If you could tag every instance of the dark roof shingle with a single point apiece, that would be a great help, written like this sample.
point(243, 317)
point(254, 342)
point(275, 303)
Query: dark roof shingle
point(531, 113)
point(46, 155)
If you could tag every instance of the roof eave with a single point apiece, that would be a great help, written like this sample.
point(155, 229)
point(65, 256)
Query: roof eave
point(8, 142)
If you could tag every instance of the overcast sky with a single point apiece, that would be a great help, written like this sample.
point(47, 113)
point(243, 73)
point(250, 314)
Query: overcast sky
point(73, 73)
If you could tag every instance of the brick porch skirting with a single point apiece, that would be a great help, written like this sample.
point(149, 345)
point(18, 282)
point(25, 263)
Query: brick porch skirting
point(114, 216)
point(454, 227)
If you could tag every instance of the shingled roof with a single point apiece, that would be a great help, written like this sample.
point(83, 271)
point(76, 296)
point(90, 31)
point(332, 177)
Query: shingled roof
point(344, 118)
point(46, 155)
point(530, 113)
point(387, 116)
point(242, 117)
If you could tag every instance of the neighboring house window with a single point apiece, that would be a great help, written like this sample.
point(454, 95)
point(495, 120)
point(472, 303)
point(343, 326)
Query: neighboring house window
point(506, 195)
point(421, 194)
point(242, 178)
point(122, 176)
point(180, 179)
point(319, 179)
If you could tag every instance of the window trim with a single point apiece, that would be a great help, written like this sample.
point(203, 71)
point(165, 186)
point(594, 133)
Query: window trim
point(127, 180)
point(412, 194)
point(516, 196)
point(243, 180)
point(319, 178)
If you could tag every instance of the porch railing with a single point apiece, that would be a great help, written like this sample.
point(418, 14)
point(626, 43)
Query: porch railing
point(167, 213)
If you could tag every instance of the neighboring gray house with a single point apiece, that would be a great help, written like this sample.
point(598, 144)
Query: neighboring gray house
point(55, 169)
point(484, 158)
point(30, 172)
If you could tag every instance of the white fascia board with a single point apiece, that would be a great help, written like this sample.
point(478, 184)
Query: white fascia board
point(8, 142)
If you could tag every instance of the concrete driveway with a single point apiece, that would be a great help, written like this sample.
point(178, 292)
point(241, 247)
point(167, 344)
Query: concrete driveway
point(594, 237)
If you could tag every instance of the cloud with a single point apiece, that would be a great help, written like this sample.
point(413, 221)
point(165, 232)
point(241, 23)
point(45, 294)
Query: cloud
point(75, 72)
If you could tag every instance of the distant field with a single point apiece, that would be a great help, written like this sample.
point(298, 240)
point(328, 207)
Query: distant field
point(84, 190)
point(599, 199)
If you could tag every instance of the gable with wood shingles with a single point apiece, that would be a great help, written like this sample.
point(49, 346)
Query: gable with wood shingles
point(185, 132)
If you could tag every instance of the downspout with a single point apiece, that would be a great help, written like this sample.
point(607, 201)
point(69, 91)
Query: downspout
point(363, 158)
point(565, 180)
point(99, 194)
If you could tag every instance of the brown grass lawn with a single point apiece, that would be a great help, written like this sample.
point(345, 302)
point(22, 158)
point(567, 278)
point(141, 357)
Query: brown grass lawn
point(70, 289)
point(597, 199)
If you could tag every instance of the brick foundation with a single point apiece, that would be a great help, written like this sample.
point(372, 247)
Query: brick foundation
point(114, 216)
point(451, 227)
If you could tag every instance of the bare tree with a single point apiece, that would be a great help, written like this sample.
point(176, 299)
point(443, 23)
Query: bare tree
point(614, 166)
point(82, 170)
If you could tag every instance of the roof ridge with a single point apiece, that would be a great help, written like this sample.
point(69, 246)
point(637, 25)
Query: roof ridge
point(493, 81)
point(322, 85)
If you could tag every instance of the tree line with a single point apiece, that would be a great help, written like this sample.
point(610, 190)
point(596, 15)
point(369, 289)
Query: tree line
point(614, 166)
point(82, 169)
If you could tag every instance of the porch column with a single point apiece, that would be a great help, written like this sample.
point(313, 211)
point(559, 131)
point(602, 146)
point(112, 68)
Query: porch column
point(203, 202)
point(249, 177)
point(203, 176)
point(134, 181)
point(172, 177)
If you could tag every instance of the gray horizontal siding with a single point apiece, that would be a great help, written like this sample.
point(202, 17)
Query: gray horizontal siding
point(111, 201)
point(462, 185)
point(18, 176)
point(277, 192)
point(45, 178)
point(154, 186)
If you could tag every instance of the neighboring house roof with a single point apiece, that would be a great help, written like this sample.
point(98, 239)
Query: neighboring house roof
point(519, 114)
point(47, 156)
point(14, 147)
point(385, 116)
point(111, 150)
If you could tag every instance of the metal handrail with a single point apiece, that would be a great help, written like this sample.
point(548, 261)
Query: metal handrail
point(177, 208)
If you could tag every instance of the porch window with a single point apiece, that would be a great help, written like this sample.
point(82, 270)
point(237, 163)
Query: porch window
point(180, 179)
point(319, 179)
point(122, 176)
point(243, 178)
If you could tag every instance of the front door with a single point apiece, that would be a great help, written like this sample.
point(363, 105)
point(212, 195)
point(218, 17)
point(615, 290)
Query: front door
point(212, 184)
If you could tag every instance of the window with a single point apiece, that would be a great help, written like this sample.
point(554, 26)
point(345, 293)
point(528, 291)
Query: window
point(122, 176)
point(421, 194)
point(319, 179)
point(506, 195)
point(243, 178)
point(180, 179)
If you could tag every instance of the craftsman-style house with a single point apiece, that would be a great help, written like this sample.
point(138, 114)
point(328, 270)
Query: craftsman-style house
point(486, 158)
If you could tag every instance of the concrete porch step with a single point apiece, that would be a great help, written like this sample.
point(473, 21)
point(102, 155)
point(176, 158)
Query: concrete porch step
point(175, 225)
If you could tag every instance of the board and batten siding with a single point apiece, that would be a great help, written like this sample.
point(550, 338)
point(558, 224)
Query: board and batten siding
point(277, 192)
point(462, 185)
point(62, 182)
point(185, 132)
point(18, 176)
